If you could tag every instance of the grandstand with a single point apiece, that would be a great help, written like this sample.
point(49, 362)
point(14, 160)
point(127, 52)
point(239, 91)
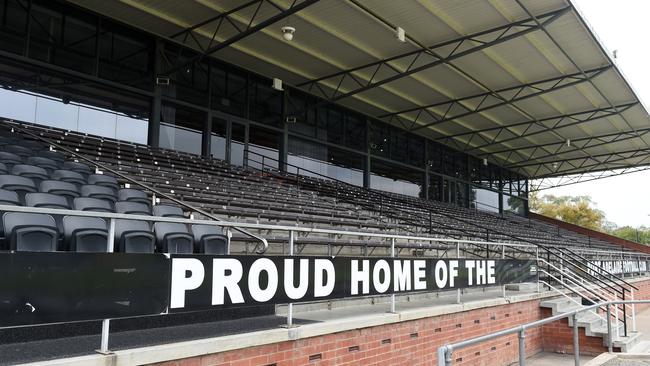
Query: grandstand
point(411, 167)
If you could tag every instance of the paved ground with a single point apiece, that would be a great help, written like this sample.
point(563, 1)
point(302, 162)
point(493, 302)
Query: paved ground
point(554, 359)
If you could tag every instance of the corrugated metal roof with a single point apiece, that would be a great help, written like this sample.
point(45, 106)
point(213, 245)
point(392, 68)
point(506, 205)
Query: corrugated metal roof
point(338, 35)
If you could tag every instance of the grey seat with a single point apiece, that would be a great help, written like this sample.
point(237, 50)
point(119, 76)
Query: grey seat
point(132, 208)
point(18, 184)
point(80, 168)
point(209, 239)
point(132, 195)
point(65, 189)
point(103, 180)
point(9, 198)
point(30, 232)
point(85, 234)
point(68, 176)
point(101, 192)
point(9, 159)
point(45, 163)
point(92, 204)
point(21, 151)
point(47, 200)
point(173, 238)
point(134, 236)
point(53, 155)
point(30, 171)
point(3, 168)
point(168, 211)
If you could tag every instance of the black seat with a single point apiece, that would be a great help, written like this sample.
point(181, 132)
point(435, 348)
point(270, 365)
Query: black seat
point(65, 189)
point(47, 200)
point(32, 145)
point(53, 155)
point(30, 171)
point(134, 236)
point(132, 208)
point(30, 232)
point(168, 211)
point(10, 159)
point(21, 151)
point(209, 239)
point(80, 168)
point(103, 180)
point(101, 192)
point(132, 195)
point(18, 184)
point(92, 204)
point(68, 176)
point(173, 238)
point(85, 234)
point(45, 163)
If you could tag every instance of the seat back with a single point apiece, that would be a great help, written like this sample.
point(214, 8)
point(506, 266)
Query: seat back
point(47, 200)
point(30, 232)
point(132, 208)
point(9, 198)
point(168, 211)
point(209, 239)
point(45, 163)
point(18, 184)
point(95, 191)
point(103, 180)
point(53, 155)
point(3, 168)
point(61, 188)
point(30, 171)
point(134, 236)
point(132, 194)
point(21, 151)
point(9, 159)
point(173, 238)
point(92, 204)
point(68, 176)
point(80, 168)
point(85, 234)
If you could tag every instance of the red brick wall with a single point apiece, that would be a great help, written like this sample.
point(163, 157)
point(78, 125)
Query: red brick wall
point(407, 343)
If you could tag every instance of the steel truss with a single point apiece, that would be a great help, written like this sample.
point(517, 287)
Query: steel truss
point(537, 185)
point(394, 68)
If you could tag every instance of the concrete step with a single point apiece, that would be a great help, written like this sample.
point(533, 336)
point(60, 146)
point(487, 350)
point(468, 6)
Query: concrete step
point(628, 343)
point(640, 347)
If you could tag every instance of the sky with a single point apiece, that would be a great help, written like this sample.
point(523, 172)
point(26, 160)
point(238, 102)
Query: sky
point(621, 25)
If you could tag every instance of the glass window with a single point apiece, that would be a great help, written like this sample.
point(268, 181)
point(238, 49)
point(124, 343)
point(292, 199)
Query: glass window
point(395, 178)
point(131, 129)
point(514, 205)
point(17, 105)
point(181, 128)
point(229, 90)
point(97, 122)
point(218, 138)
point(57, 114)
point(484, 199)
point(265, 102)
point(263, 143)
point(321, 161)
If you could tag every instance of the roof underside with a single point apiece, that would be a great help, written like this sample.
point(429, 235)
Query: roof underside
point(522, 83)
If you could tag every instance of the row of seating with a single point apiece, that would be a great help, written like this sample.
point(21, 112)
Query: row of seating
point(40, 232)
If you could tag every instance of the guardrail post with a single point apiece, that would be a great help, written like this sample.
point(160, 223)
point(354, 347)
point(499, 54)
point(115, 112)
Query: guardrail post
point(537, 267)
point(290, 307)
point(576, 341)
point(106, 323)
point(458, 291)
point(228, 236)
point(392, 254)
point(522, 347)
point(610, 342)
point(633, 311)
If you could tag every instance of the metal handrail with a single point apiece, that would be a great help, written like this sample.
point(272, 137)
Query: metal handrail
point(14, 126)
point(445, 352)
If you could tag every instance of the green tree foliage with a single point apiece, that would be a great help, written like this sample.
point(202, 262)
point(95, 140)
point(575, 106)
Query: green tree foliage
point(578, 210)
point(639, 235)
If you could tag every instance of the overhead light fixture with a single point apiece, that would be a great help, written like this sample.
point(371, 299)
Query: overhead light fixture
point(287, 32)
point(400, 33)
point(555, 165)
point(277, 84)
point(568, 142)
point(485, 162)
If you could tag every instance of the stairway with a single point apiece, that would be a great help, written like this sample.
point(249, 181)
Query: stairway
point(593, 324)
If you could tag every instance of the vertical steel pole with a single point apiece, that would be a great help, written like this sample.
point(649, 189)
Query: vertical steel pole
point(448, 356)
point(106, 323)
point(609, 329)
point(522, 347)
point(290, 308)
point(392, 254)
point(576, 341)
point(228, 236)
point(633, 311)
point(458, 292)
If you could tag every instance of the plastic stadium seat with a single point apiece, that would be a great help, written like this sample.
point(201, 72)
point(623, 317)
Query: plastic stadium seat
point(3, 168)
point(30, 171)
point(68, 176)
point(19, 150)
point(10, 159)
point(134, 236)
point(85, 234)
point(18, 184)
point(133, 195)
point(52, 155)
point(92, 204)
point(9, 198)
point(45, 163)
point(32, 145)
point(47, 200)
point(173, 238)
point(132, 208)
point(101, 192)
point(209, 239)
point(168, 211)
point(66, 189)
point(103, 180)
point(30, 231)
point(80, 168)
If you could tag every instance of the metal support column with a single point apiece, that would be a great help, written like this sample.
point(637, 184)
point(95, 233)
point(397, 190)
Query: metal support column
point(392, 254)
point(290, 307)
point(610, 340)
point(153, 132)
point(106, 323)
point(576, 341)
point(522, 347)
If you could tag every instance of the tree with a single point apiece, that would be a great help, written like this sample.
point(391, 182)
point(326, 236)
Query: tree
point(639, 235)
point(578, 210)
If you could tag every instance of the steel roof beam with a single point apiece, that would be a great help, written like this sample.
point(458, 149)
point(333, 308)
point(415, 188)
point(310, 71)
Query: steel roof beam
point(453, 49)
point(548, 182)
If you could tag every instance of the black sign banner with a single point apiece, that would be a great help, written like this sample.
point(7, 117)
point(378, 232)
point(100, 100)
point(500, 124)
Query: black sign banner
point(40, 288)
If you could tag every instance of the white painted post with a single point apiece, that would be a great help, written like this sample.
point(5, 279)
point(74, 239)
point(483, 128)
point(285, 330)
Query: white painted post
point(106, 323)
point(392, 254)
point(633, 311)
point(290, 308)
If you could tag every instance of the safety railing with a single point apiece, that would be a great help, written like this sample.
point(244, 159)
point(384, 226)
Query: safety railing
point(445, 353)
